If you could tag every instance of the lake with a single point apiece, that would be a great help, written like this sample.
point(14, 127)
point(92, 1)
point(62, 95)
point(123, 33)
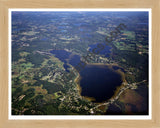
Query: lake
point(96, 80)
point(99, 82)
point(67, 58)
point(106, 51)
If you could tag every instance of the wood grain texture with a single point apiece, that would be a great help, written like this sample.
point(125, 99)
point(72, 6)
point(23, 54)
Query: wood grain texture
point(6, 4)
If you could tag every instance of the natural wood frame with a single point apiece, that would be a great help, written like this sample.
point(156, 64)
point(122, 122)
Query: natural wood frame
point(4, 8)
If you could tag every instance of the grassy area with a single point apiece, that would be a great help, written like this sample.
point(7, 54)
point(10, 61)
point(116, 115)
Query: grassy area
point(129, 34)
point(23, 54)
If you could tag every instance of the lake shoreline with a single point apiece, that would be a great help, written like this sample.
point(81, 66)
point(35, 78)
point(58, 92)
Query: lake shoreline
point(110, 66)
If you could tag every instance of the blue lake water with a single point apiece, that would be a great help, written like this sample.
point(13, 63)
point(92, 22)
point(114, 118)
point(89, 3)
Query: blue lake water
point(106, 51)
point(74, 60)
point(64, 56)
point(61, 54)
point(99, 82)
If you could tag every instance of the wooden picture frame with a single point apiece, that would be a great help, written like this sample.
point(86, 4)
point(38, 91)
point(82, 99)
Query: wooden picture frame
point(4, 77)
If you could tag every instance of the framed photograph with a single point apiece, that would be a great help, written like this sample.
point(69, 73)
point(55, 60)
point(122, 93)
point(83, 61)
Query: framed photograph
point(80, 62)
point(79, 65)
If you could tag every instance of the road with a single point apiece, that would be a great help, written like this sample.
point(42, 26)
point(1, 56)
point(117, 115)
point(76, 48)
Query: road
point(126, 86)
